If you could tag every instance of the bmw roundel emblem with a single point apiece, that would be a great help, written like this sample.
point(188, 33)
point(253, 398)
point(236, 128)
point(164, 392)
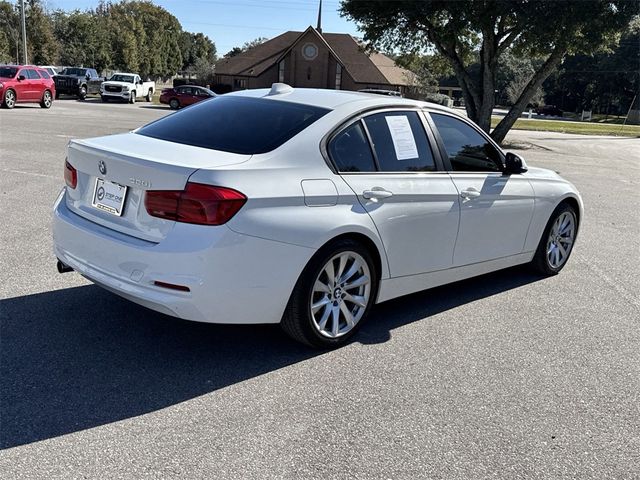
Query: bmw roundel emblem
point(102, 167)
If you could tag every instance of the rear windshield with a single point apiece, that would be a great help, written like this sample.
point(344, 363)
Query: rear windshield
point(8, 72)
point(74, 71)
point(235, 124)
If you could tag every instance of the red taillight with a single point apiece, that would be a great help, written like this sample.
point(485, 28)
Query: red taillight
point(70, 175)
point(197, 203)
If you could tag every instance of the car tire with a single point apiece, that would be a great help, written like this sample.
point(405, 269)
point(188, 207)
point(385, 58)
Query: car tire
point(174, 104)
point(557, 241)
point(149, 96)
point(323, 296)
point(9, 100)
point(57, 95)
point(132, 97)
point(47, 99)
point(104, 99)
point(82, 92)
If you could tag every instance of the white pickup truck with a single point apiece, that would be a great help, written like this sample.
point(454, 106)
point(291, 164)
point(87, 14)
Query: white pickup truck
point(126, 86)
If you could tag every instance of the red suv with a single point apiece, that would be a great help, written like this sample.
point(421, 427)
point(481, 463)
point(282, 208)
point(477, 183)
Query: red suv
point(26, 84)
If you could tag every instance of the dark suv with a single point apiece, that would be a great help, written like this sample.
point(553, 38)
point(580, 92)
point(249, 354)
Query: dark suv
point(78, 82)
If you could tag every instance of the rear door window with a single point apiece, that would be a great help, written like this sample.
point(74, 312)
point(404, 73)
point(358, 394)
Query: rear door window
point(235, 124)
point(31, 74)
point(400, 142)
point(44, 74)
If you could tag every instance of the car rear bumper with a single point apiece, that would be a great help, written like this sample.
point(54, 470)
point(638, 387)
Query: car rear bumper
point(232, 278)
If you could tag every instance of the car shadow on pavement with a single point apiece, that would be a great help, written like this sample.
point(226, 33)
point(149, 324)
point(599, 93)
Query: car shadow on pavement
point(81, 357)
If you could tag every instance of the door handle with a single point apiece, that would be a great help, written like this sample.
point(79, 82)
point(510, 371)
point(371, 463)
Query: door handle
point(376, 193)
point(469, 193)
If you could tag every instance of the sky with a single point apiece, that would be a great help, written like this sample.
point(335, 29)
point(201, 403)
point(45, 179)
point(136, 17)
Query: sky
point(230, 23)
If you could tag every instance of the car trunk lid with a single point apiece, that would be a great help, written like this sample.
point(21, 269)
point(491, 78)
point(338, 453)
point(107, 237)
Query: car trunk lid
point(138, 163)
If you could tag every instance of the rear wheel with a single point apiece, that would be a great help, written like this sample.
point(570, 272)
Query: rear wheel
point(149, 96)
point(333, 295)
point(174, 104)
point(9, 100)
point(557, 241)
point(47, 99)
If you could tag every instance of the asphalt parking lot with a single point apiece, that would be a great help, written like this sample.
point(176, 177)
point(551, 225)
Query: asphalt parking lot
point(504, 376)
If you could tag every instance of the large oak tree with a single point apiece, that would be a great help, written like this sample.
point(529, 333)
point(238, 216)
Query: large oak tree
point(469, 31)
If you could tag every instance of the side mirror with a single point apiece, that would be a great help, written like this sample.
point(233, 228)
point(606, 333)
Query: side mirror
point(21, 77)
point(514, 163)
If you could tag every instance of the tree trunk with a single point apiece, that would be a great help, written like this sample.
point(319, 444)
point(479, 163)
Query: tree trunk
point(501, 130)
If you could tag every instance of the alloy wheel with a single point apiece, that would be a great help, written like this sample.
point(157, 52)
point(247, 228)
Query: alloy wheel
point(10, 99)
point(561, 239)
point(47, 99)
point(340, 294)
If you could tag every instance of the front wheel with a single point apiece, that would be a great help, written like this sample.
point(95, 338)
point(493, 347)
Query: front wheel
point(104, 98)
point(132, 97)
point(9, 100)
point(333, 295)
point(47, 99)
point(557, 241)
point(149, 96)
point(82, 93)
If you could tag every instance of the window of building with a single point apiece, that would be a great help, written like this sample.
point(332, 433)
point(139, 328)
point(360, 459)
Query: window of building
point(281, 71)
point(467, 149)
point(338, 76)
point(240, 83)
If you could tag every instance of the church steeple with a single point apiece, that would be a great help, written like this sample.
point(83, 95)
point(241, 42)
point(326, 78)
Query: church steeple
point(319, 27)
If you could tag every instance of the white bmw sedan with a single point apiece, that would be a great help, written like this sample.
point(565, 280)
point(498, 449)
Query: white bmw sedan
point(303, 207)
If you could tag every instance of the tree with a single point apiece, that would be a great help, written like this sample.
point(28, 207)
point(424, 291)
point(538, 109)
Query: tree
point(486, 29)
point(42, 45)
point(196, 48)
point(9, 33)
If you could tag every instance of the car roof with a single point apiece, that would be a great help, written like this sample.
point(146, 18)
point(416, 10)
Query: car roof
point(123, 73)
point(334, 99)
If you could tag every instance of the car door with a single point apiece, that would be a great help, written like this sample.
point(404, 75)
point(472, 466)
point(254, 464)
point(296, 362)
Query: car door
point(37, 84)
point(387, 160)
point(23, 91)
point(495, 208)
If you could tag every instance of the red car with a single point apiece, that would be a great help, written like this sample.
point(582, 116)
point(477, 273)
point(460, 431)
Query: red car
point(26, 84)
point(184, 95)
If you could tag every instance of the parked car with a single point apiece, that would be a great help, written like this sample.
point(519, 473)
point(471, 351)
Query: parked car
point(303, 207)
point(378, 91)
point(26, 84)
point(184, 96)
point(78, 82)
point(550, 110)
point(126, 86)
point(51, 70)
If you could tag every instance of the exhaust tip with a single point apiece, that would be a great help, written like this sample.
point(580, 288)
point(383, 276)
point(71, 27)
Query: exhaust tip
point(62, 268)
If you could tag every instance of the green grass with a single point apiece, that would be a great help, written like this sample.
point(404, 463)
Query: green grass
point(584, 128)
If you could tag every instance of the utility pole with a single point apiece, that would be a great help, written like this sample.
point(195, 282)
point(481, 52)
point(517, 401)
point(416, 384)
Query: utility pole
point(24, 33)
